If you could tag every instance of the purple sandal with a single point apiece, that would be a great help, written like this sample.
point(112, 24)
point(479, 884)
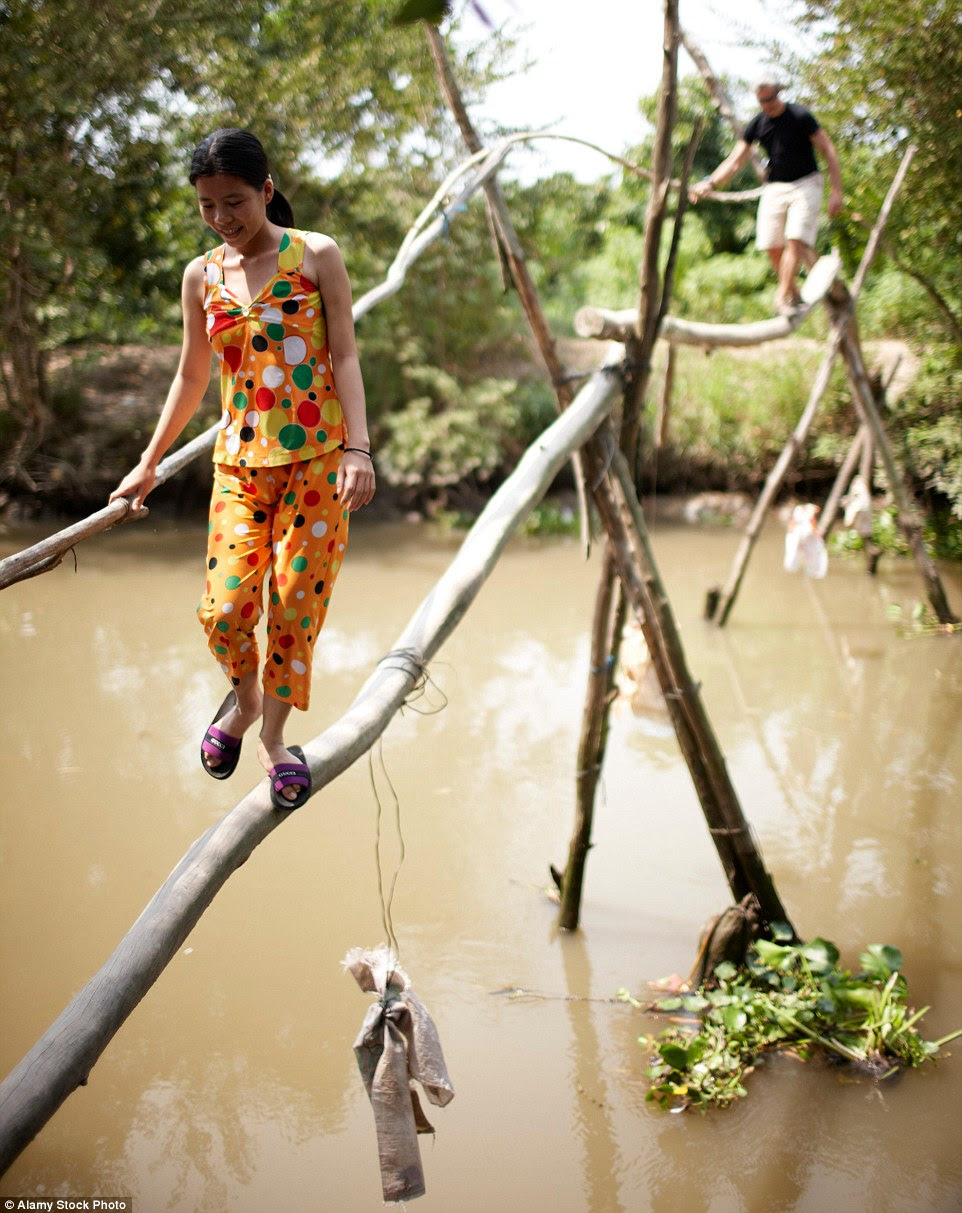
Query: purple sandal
point(291, 775)
point(217, 744)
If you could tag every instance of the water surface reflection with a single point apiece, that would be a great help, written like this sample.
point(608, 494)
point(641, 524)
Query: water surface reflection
point(233, 1086)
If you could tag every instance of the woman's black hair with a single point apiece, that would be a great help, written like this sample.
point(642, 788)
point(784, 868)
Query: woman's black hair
point(239, 154)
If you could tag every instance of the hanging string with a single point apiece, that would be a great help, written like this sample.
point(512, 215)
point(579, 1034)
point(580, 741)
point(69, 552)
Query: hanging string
point(387, 919)
point(409, 661)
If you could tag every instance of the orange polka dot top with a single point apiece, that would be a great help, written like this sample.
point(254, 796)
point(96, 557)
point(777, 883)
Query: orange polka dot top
point(280, 404)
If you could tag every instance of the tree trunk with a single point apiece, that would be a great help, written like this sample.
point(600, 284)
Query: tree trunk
point(25, 375)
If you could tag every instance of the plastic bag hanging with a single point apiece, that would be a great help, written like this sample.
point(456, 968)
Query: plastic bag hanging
point(804, 548)
point(397, 1045)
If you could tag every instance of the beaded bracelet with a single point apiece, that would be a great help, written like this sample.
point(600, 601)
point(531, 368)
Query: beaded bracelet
point(360, 450)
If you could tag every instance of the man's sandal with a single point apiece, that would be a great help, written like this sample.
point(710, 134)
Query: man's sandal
point(220, 745)
point(290, 775)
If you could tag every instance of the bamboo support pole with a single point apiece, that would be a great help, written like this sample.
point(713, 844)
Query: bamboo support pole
point(623, 519)
point(651, 296)
point(871, 549)
point(511, 256)
point(671, 262)
point(842, 314)
point(859, 453)
point(607, 624)
point(845, 473)
point(639, 346)
point(63, 1057)
point(665, 400)
point(654, 295)
point(773, 481)
point(908, 515)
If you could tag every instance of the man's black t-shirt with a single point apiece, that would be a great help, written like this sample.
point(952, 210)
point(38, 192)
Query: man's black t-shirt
point(788, 141)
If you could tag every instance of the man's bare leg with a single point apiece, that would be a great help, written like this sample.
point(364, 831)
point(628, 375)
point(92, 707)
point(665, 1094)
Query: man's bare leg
point(795, 254)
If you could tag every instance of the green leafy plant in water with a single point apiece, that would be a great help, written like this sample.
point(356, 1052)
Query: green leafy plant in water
point(791, 997)
point(921, 620)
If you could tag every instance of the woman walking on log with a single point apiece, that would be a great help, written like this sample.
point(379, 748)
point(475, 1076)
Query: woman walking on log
point(292, 457)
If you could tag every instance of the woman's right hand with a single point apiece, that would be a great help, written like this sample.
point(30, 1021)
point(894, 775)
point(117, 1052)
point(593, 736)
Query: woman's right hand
point(135, 486)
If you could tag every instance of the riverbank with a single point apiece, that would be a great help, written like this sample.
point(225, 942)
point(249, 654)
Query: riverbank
point(730, 415)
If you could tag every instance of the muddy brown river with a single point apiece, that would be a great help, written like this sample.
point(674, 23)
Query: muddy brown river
point(233, 1088)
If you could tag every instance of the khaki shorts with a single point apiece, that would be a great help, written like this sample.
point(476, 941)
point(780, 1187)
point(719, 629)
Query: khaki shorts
point(788, 210)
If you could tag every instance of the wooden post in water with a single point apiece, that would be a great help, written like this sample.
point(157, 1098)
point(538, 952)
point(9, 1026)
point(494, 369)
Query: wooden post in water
point(630, 547)
point(638, 349)
point(654, 295)
point(665, 400)
point(773, 482)
point(829, 512)
point(607, 626)
point(907, 512)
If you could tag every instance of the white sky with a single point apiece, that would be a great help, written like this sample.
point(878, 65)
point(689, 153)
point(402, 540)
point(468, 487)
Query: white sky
point(595, 58)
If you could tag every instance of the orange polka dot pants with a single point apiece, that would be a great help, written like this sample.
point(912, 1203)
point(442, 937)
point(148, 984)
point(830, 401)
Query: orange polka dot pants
point(283, 529)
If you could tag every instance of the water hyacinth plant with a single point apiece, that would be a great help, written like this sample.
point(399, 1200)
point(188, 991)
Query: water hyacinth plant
point(786, 997)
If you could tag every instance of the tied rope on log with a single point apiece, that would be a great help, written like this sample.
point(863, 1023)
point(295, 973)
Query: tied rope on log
point(397, 1045)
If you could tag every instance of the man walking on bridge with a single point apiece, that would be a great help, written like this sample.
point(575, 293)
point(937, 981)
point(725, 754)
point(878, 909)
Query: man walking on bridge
point(787, 223)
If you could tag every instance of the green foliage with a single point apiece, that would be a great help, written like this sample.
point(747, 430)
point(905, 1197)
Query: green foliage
point(886, 535)
point(562, 225)
point(931, 416)
point(728, 229)
point(787, 997)
point(731, 413)
point(550, 519)
point(725, 289)
point(449, 432)
point(919, 620)
point(893, 305)
point(411, 11)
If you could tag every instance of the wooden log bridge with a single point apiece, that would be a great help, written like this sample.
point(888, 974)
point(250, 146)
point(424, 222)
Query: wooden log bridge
point(622, 325)
point(63, 1057)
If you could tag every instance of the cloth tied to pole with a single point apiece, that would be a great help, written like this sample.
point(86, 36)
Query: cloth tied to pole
point(397, 1045)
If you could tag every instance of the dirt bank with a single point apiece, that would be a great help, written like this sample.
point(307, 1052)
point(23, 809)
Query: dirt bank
point(108, 399)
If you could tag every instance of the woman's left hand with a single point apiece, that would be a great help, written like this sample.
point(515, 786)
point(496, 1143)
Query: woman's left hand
point(355, 480)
